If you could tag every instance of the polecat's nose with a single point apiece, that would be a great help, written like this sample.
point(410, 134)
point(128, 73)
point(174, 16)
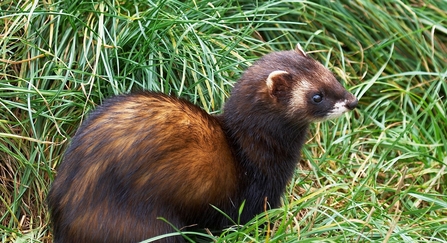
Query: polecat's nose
point(352, 103)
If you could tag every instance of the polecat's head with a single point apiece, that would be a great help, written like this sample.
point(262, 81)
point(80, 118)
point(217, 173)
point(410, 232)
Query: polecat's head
point(297, 85)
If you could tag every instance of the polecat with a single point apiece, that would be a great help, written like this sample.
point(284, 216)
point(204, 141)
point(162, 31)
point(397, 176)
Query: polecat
point(147, 155)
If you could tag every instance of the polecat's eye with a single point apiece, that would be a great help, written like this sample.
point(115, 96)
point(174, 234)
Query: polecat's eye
point(317, 98)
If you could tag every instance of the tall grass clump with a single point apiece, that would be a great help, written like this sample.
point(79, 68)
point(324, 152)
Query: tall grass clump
point(379, 174)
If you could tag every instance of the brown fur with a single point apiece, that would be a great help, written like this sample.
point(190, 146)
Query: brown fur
point(147, 155)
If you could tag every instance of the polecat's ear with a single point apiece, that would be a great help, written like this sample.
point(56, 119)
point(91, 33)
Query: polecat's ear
point(278, 84)
point(300, 50)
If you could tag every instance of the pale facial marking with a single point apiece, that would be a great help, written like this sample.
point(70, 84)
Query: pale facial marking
point(338, 110)
point(298, 100)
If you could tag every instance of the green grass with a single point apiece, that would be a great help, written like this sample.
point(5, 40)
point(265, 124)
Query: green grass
point(378, 174)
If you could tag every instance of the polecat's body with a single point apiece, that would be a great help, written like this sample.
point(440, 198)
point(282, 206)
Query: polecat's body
point(147, 155)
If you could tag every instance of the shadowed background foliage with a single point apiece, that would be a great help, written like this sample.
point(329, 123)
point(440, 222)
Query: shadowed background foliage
point(378, 174)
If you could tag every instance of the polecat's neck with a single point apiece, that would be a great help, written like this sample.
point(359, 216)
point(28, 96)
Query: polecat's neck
point(267, 149)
